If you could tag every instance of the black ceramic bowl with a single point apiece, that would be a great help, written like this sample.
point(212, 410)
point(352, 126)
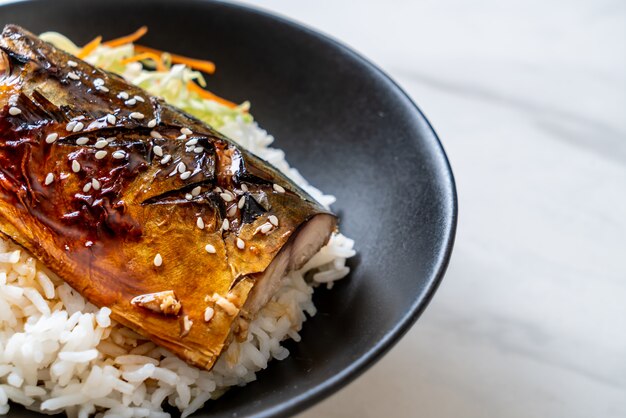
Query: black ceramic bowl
point(351, 131)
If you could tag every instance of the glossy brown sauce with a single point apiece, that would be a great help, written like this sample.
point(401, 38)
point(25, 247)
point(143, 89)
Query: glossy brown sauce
point(124, 218)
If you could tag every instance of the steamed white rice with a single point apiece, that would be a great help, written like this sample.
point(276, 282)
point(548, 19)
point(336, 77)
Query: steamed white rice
point(59, 353)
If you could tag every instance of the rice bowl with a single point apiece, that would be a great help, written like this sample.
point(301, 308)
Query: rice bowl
point(61, 354)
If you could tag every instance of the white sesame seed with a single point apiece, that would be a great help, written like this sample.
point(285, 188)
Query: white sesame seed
point(111, 119)
point(198, 150)
point(186, 131)
point(110, 139)
point(200, 223)
point(155, 134)
point(240, 244)
point(241, 202)
point(82, 140)
point(158, 151)
point(227, 197)
point(130, 102)
point(78, 127)
point(225, 225)
point(196, 190)
point(70, 126)
point(244, 188)
point(273, 220)
point(225, 304)
point(72, 63)
point(123, 95)
point(73, 75)
point(208, 314)
point(87, 187)
point(51, 138)
point(188, 149)
point(75, 166)
point(101, 143)
point(139, 99)
point(173, 173)
point(98, 82)
point(181, 167)
point(183, 136)
point(100, 155)
point(187, 323)
point(278, 188)
point(188, 196)
point(158, 260)
point(49, 179)
point(185, 175)
point(210, 249)
point(191, 142)
point(102, 89)
point(96, 184)
point(166, 159)
point(136, 115)
point(232, 211)
point(14, 111)
point(118, 155)
point(152, 122)
point(266, 227)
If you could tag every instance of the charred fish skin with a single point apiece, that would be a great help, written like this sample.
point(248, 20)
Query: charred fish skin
point(123, 196)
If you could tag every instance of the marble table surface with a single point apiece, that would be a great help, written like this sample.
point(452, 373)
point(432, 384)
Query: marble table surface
point(529, 99)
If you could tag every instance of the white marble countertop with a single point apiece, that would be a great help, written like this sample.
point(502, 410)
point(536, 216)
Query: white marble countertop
point(529, 99)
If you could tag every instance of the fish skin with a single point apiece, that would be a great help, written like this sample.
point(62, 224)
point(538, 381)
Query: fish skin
point(103, 242)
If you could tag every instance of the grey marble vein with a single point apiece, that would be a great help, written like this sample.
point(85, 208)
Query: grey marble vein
point(578, 129)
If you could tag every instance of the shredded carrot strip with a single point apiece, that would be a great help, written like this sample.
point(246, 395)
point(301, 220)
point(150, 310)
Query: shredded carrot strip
point(88, 49)
point(144, 56)
point(205, 94)
point(202, 65)
point(128, 39)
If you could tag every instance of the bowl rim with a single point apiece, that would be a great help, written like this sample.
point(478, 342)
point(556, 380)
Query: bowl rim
point(321, 391)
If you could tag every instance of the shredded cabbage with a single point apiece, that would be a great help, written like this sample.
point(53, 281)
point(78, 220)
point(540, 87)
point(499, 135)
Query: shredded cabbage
point(171, 85)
